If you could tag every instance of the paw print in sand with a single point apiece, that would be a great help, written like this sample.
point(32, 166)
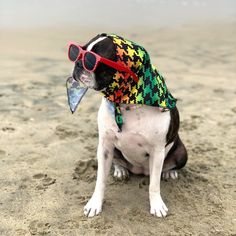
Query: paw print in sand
point(39, 228)
point(45, 181)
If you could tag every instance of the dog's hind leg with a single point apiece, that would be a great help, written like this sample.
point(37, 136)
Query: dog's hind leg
point(120, 173)
point(176, 158)
point(120, 165)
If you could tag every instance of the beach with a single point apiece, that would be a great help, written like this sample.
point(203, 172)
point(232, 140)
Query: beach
point(48, 156)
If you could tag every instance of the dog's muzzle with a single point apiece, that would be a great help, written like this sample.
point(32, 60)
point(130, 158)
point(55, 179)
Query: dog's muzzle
point(74, 93)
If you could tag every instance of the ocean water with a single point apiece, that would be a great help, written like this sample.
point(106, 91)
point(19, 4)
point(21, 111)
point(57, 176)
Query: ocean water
point(115, 13)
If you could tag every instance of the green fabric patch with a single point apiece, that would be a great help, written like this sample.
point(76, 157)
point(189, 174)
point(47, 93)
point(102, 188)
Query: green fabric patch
point(151, 88)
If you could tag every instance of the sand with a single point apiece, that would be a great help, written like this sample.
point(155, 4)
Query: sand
point(48, 156)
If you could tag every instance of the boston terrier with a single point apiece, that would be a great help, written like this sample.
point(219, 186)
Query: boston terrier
point(144, 139)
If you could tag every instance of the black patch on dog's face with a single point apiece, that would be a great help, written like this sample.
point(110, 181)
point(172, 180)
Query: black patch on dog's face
point(103, 74)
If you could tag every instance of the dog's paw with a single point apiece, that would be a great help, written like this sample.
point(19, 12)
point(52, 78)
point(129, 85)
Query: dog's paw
point(171, 174)
point(158, 207)
point(120, 173)
point(93, 207)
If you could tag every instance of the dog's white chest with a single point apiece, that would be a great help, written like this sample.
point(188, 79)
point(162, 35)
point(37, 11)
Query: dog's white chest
point(144, 128)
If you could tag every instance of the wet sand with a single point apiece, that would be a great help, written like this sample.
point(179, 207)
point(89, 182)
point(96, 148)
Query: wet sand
point(48, 156)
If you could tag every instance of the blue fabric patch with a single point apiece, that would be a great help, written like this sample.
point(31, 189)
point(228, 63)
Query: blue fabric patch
point(74, 93)
point(111, 107)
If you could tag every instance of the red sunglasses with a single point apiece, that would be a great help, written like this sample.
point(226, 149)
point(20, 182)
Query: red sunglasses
point(90, 60)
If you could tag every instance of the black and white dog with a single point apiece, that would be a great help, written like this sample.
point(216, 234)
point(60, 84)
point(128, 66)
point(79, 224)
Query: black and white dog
point(149, 143)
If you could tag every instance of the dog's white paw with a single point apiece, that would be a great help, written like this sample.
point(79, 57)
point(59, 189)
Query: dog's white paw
point(171, 174)
point(158, 207)
point(120, 173)
point(93, 207)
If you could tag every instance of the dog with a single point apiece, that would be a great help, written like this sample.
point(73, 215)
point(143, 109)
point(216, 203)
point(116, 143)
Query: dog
point(148, 143)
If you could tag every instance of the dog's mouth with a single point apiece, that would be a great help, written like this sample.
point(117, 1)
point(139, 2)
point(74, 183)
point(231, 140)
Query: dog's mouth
point(83, 81)
point(87, 79)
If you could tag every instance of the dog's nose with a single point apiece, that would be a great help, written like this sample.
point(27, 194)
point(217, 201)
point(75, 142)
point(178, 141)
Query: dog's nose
point(79, 64)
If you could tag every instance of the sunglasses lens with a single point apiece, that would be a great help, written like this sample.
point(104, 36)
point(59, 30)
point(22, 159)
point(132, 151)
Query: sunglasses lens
point(89, 61)
point(73, 52)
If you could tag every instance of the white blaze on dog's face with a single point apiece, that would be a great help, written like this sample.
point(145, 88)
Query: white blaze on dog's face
point(101, 77)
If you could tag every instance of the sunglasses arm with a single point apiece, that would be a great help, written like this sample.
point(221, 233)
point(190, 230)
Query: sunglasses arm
point(119, 67)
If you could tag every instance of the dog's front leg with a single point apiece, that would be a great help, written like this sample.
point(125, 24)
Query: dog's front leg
point(104, 157)
point(158, 207)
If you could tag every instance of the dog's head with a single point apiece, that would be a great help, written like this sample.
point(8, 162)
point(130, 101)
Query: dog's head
point(118, 63)
point(102, 76)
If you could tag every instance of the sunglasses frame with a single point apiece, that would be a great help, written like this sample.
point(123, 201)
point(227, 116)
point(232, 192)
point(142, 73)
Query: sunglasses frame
point(103, 60)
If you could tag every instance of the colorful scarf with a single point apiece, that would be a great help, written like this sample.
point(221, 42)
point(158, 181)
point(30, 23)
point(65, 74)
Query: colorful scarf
point(151, 88)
